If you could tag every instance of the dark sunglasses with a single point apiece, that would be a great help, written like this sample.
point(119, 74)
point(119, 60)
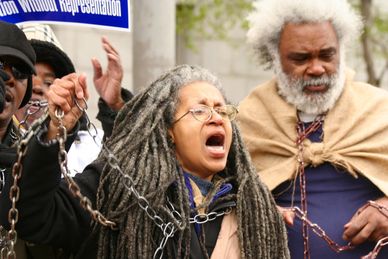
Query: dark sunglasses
point(17, 74)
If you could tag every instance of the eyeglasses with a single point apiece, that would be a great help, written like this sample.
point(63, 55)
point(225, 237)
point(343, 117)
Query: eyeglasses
point(203, 113)
point(17, 74)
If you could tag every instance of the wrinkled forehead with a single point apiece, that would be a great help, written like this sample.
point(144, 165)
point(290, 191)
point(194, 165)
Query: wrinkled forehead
point(201, 93)
point(307, 39)
point(307, 33)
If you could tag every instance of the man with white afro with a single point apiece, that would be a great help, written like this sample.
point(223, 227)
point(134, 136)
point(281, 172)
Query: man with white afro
point(318, 138)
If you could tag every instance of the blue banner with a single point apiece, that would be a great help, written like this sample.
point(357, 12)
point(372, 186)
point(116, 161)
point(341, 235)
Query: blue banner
point(107, 13)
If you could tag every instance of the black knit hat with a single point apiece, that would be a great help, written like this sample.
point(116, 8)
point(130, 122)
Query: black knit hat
point(49, 53)
point(47, 48)
point(14, 43)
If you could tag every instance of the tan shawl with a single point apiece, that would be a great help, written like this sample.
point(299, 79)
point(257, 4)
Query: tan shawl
point(355, 134)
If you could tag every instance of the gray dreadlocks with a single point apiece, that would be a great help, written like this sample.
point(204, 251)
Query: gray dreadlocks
point(146, 153)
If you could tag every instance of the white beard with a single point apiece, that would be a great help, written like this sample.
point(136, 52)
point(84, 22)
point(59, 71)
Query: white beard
point(291, 89)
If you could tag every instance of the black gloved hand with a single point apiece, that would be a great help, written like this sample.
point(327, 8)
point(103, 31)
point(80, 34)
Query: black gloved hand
point(3, 77)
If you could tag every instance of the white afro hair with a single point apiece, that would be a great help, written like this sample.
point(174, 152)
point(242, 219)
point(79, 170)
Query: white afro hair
point(269, 17)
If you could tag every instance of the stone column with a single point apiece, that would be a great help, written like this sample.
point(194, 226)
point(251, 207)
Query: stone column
point(153, 40)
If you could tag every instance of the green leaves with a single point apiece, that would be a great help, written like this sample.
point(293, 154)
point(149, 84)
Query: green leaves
point(208, 19)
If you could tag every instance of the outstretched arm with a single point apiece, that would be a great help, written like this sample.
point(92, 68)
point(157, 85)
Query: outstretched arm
point(108, 86)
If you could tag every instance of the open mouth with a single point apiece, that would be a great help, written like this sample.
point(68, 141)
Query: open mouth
point(216, 141)
point(315, 88)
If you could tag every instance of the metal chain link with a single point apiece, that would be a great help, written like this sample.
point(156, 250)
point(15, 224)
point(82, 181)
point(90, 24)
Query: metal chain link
point(72, 185)
point(332, 244)
point(374, 253)
point(168, 229)
point(302, 135)
point(302, 213)
point(319, 231)
point(200, 218)
point(7, 244)
point(38, 105)
point(8, 251)
point(381, 208)
point(383, 241)
point(205, 218)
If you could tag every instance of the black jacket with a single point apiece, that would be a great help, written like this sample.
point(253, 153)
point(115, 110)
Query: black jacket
point(48, 213)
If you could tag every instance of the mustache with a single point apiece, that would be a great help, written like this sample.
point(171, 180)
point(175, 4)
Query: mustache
point(323, 80)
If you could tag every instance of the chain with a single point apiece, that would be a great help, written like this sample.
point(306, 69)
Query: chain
point(8, 251)
point(302, 135)
point(205, 218)
point(302, 213)
point(200, 218)
point(382, 209)
point(319, 231)
point(373, 254)
point(40, 104)
point(33, 107)
point(73, 186)
point(332, 244)
point(168, 229)
point(383, 241)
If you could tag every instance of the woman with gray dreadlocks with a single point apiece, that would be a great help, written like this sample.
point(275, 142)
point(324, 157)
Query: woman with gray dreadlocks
point(174, 177)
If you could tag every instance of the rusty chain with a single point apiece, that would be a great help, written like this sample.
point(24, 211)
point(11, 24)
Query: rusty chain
point(8, 251)
point(73, 187)
point(302, 135)
point(383, 241)
point(319, 231)
point(332, 244)
point(373, 254)
point(302, 213)
point(382, 209)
